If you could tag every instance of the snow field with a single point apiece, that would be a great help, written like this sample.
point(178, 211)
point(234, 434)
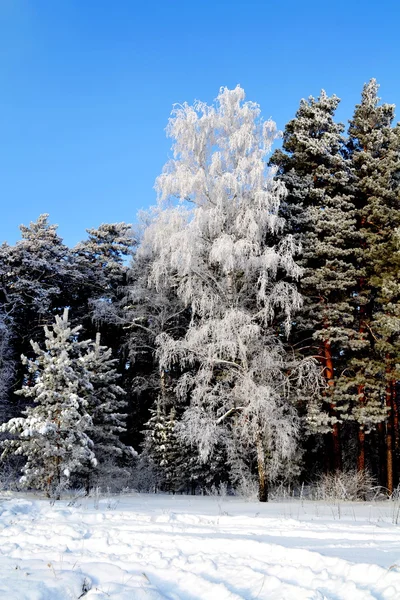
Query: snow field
point(177, 547)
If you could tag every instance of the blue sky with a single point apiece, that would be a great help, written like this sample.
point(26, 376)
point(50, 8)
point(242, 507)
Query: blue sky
point(87, 87)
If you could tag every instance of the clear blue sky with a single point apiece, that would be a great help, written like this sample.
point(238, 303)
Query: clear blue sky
point(87, 87)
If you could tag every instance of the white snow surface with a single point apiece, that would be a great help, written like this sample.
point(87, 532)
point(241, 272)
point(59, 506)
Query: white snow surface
point(151, 547)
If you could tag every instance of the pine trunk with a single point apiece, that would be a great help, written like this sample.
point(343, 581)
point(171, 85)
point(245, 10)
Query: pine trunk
point(262, 472)
point(361, 387)
point(361, 450)
point(337, 449)
point(395, 418)
point(361, 435)
point(381, 453)
point(396, 435)
point(389, 439)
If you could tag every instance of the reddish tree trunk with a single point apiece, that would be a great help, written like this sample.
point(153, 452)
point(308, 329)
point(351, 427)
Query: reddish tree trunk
point(329, 376)
point(361, 435)
point(382, 453)
point(389, 439)
point(361, 450)
point(361, 387)
point(396, 433)
point(395, 418)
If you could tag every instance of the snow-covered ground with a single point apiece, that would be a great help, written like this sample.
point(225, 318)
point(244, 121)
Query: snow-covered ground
point(147, 547)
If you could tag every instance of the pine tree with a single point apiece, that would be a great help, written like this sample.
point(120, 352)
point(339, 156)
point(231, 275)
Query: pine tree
point(320, 212)
point(220, 248)
point(374, 149)
point(33, 274)
point(101, 260)
point(97, 297)
point(36, 275)
point(52, 435)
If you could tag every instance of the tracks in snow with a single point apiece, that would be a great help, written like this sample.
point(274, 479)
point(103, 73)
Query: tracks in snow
point(47, 552)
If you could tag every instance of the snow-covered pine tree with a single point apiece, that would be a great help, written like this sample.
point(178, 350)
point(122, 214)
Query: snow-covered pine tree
point(33, 274)
point(52, 435)
point(35, 279)
point(374, 149)
point(102, 263)
point(106, 403)
point(101, 260)
point(222, 250)
point(320, 211)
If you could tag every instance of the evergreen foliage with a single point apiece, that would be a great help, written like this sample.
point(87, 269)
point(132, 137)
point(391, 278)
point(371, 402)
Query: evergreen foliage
point(374, 149)
point(260, 311)
point(321, 212)
point(101, 260)
point(105, 406)
point(53, 433)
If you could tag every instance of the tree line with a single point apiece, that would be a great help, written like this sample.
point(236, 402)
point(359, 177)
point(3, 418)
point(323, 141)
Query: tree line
point(245, 332)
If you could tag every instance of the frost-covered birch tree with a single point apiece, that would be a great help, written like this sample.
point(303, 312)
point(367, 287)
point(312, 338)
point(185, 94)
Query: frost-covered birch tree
point(216, 239)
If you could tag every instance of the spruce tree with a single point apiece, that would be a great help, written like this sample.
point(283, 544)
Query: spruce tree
point(52, 435)
point(156, 442)
point(320, 212)
point(105, 405)
point(177, 464)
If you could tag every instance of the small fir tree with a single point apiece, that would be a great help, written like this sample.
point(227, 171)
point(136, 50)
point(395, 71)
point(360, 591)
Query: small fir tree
point(106, 402)
point(156, 442)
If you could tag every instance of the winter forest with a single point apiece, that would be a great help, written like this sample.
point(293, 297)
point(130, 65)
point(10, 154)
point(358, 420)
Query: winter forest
point(244, 333)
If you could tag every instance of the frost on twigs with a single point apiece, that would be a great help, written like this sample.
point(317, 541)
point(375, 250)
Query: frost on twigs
point(217, 239)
